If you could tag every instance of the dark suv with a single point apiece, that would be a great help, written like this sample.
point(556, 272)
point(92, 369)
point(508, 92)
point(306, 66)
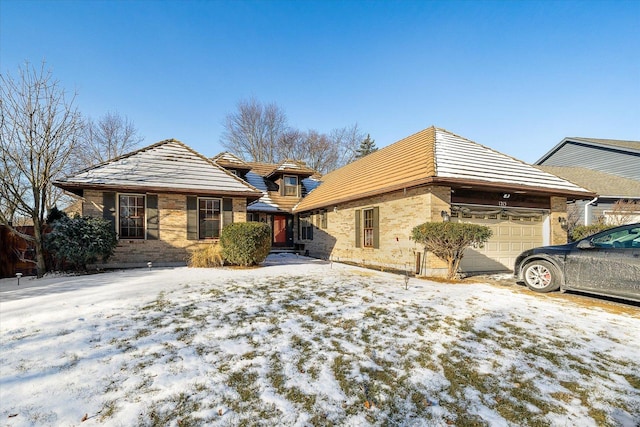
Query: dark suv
point(606, 263)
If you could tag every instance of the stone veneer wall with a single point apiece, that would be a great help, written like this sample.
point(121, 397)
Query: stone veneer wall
point(558, 210)
point(399, 212)
point(172, 247)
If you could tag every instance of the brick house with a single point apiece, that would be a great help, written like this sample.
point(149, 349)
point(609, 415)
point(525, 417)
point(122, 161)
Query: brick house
point(364, 212)
point(164, 201)
point(282, 185)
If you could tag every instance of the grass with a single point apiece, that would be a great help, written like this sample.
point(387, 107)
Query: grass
point(272, 345)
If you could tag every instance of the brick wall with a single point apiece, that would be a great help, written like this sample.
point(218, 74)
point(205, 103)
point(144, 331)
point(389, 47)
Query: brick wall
point(399, 212)
point(172, 247)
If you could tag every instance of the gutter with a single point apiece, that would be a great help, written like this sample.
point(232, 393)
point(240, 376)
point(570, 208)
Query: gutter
point(587, 211)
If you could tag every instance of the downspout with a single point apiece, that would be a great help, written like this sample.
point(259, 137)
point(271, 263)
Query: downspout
point(587, 211)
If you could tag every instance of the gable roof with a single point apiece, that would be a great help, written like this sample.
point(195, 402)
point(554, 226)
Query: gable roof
point(433, 156)
point(167, 166)
point(230, 161)
point(615, 144)
point(601, 183)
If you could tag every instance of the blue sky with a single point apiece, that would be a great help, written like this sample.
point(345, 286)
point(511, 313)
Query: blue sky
point(517, 76)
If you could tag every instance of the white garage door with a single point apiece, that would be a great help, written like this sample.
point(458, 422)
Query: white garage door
point(513, 232)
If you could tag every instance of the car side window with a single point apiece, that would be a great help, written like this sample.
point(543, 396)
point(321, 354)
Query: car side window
point(626, 238)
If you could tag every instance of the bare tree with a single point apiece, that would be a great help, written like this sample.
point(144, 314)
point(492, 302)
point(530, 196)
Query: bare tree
point(348, 140)
point(253, 132)
point(623, 212)
point(112, 135)
point(39, 127)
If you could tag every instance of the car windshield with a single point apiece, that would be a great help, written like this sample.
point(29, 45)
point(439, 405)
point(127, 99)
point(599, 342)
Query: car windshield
point(625, 238)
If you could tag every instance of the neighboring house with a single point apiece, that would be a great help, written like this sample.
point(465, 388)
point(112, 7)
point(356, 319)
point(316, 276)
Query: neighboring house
point(283, 186)
point(609, 168)
point(364, 212)
point(164, 201)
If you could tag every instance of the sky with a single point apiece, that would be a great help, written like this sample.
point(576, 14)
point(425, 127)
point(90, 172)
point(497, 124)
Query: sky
point(516, 76)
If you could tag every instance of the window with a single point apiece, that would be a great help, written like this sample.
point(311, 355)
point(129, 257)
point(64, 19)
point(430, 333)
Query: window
point(625, 238)
point(306, 228)
point(368, 227)
point(131, 216)
point(209, 218)
point(323, 219)
point(253, 217)
point(290, 185)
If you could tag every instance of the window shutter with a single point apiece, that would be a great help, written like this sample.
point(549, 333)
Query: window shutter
point(152, 217)
point(227, 211)
point(376, 228)
point(109, 208)
point(358, 239)
point(192, 218)
point(310, 232)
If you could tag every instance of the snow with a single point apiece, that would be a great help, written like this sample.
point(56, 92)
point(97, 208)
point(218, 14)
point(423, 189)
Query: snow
point(306, 342)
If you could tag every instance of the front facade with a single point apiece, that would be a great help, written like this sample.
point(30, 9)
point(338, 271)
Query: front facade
point(434, 175)
point(282, 185)
point(164, 201)
point(609, 168)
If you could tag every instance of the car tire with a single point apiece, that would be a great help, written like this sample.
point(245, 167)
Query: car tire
point(541, 276)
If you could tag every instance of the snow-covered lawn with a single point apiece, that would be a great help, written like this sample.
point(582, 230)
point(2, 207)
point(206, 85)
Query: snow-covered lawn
point(304, 342)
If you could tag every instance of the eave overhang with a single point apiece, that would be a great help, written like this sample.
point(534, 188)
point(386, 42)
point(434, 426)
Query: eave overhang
point(78, 188)
point(453, 183)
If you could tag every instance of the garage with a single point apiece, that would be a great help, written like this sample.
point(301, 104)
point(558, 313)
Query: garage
point(514, 230)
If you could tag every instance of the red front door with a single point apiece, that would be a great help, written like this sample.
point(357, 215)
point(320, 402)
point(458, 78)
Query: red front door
point(280, 229)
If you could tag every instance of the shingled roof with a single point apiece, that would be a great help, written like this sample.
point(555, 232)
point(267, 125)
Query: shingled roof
point(603, 184)
point(433, 156)
point(167, 166)
point(617, 143)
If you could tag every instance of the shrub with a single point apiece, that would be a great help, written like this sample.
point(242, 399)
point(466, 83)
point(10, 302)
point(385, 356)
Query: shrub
point(206, 257)
point(80, 241)
point(245, 243)
point(448, 240)
point(582, 231)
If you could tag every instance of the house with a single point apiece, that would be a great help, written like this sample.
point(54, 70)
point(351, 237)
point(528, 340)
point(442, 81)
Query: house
point(609, 168)
point(282, 185)
point(164, 201)
point(364, 212)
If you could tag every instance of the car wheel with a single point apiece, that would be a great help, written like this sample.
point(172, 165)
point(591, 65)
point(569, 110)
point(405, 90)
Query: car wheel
point(541, 276)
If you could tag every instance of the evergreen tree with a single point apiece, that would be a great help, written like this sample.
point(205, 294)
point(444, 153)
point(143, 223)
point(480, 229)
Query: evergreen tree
point(367, 146)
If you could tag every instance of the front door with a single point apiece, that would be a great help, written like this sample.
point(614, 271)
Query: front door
point(279, 230)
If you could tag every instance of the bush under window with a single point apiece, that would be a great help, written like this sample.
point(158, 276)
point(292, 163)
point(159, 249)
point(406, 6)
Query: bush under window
point(245, 243)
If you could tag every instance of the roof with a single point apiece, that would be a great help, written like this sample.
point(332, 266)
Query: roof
point(603, 184)
point(293, 167)
point(168, 166)
point(631, 145)
point(620, 145)
point(433, 156)
point(230, 161)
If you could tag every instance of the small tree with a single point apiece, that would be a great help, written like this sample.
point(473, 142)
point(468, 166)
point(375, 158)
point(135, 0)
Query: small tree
point(81, 241)
point(245, 243)
point(448, 240)
point(367, 146)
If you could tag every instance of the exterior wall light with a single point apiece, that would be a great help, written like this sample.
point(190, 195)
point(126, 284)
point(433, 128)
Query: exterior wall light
point(563, 221)
point(446, 217)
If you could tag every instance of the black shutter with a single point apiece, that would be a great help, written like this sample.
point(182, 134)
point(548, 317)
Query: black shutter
point(192, 218)
point(152, 217)
point(227, 211)
point(358, 239)
point(109, 208)
point(376, 228)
